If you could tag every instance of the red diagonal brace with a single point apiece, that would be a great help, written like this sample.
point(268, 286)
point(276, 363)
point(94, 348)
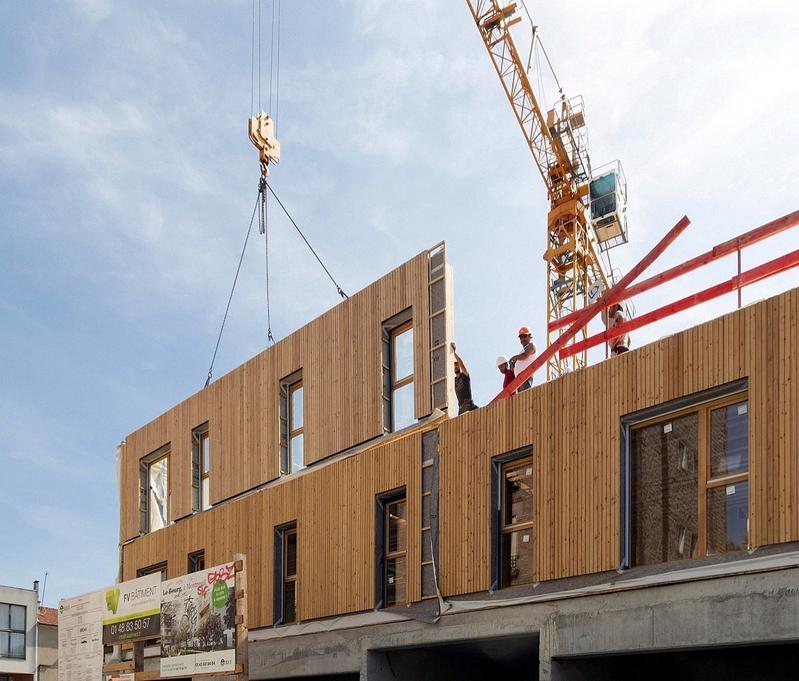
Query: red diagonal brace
point(612, 295)
point(746, 239)
point(767, 269)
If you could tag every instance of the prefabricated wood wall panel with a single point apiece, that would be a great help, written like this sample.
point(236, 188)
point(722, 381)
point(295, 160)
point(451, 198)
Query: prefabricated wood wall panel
point(340, 357)
point(573, 426)
point(334, 508)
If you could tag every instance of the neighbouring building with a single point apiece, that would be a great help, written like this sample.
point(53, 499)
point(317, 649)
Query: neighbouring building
point(637, 518)
point(18, 610)
point(47, 644)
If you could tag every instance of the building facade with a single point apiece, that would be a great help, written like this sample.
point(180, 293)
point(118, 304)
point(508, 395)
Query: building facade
point(636, 516)
point(18, 610)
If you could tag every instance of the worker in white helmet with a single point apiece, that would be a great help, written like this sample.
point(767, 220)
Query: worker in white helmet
point(505, 370)
point(614, 316)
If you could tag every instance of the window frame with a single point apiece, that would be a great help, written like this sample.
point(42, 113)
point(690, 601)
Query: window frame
point(701, 404)
point(145, 463)
point(286, 434)
point(281, 576)
point(7, 630)
point(192, 560)
point(383, 504)
point(199, 474)
point(518, 458)
point(391, 329)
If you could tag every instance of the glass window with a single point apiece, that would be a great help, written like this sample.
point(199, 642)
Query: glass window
point(403, 352)
point(292, 418)
point(397, 373)
point(402, 406)
point(665, 519)
point(516, 531)
point(296, 447)
point(287, 600)
point(158, 493)
point(12, 630)
point(201, 468)
point(689, 483)
point(205, 448)
point(296, 406)
point(729, 439)
point(728, 518)
point(396, 545)
point(197, 561)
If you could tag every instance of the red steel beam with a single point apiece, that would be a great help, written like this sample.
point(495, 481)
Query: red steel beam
point(746, 239)
point(585, 315)
point(767, 269)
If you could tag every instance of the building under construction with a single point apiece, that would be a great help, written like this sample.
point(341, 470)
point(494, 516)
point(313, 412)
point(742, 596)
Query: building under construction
point(635, 518)
point(638, 514)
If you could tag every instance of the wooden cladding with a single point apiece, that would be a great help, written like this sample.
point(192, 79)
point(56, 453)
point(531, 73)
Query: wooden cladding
point(339, 354)
point(333, 506)
point(573, 426)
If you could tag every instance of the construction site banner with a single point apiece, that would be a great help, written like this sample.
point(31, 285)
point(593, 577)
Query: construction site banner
point(198, 623)
point(80, 637)
point(132, 610)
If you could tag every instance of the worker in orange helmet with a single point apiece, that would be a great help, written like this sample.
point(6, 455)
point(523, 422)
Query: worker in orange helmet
point(614, 316)
point(525, 358)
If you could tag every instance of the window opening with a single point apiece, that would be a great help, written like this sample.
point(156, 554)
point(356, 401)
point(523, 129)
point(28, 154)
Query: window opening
point(196, 561)
point(398, 375)
point(201, 468)
point(154, 490)
point(292, 419)
point(392, 549)
point(12, 630)
point(286, 574)
point(689, 482)
point(516, 522)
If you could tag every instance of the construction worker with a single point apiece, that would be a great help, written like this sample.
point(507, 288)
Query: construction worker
point(525, 358)
point(463, 385)
point(505, 370)
point(614, 316)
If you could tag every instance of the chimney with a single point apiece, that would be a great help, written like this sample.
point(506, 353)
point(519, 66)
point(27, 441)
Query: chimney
point(36, 585)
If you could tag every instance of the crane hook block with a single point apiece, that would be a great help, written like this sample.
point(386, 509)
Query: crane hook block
point(262, 134)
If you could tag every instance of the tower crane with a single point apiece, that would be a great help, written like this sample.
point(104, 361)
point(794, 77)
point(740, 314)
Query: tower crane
point(586, 212)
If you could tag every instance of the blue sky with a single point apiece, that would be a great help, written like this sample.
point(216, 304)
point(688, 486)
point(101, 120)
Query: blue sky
point(127, 181)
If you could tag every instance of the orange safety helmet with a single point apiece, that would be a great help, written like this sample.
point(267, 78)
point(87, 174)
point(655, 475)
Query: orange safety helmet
point(524, 331)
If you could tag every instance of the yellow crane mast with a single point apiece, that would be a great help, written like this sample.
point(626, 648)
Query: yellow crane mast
point(558, 141)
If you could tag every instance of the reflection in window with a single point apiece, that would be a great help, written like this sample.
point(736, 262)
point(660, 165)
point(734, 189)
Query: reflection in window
point(292, 418)
point(154, 490)
point(201, 469)
point(396, 532)
point(12, 630)
point(398, 377)
point(685, 466)
point(516, 531)
point(664, 490)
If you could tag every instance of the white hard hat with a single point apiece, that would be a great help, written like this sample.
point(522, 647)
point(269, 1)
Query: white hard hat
point(501, 360)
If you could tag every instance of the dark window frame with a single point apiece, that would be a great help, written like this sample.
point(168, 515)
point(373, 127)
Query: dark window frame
point(7, 630)
point(702, 402)
point(195, 561)
point(163, 452)
point(391, 329)
point(199, 472)
point(382, 503)
point(499, 464)
point(282, 532)
point(288, 386)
